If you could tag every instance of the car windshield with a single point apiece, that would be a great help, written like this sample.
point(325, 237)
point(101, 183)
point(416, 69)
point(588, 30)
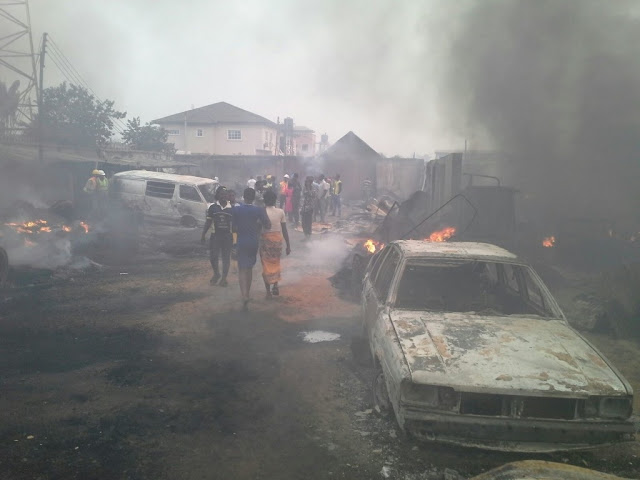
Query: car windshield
point(487, 288)
point(208, 191)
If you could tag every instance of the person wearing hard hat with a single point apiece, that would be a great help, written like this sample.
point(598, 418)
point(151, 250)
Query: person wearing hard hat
point(282, 193)
point(98, 188)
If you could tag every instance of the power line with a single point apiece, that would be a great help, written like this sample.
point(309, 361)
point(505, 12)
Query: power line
point(81, 80)
point(74, 76)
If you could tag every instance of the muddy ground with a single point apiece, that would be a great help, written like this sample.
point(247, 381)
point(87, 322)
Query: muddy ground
point(145, 371)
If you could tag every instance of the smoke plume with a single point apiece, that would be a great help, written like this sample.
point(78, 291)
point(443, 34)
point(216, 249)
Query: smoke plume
point(556, 85)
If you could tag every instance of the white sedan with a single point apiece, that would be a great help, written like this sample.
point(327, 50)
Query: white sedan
point(470, 348)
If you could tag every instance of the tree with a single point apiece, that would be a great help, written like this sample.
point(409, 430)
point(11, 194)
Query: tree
point(9, 102)
point(73, 116)
point(146, 137)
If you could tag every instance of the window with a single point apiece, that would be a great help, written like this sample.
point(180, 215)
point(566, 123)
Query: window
point(160, 189)
point(208, 191)
point(511, 278)
point(199, 133)
point(533, 291)
point(189, 193)
point(385, 277)
point(173, 132)
point(234, 134)
point(465, 286)
point(375, 262)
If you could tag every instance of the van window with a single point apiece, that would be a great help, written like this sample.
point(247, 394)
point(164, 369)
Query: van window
point(160, 189)
point(189, 193)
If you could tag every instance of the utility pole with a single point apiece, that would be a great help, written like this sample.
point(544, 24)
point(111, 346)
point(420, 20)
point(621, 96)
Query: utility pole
point(43, 51)
point(17, 60)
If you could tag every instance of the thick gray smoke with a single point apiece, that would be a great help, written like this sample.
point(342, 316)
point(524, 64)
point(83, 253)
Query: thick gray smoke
point(556, 85)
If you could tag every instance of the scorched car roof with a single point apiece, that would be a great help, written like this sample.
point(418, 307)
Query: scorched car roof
point(463, 250)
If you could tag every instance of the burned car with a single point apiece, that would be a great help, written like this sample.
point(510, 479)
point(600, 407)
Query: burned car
point(470, 348)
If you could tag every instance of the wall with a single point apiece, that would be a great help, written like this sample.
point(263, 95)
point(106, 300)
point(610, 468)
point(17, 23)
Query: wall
point(215, 142)
point(399, 176)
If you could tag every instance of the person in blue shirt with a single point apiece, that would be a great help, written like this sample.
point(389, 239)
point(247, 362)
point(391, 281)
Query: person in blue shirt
point(247, 222)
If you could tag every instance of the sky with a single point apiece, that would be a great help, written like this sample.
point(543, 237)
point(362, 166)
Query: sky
point(333, 66)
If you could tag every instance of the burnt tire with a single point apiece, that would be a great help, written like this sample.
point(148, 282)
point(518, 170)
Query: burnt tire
point(380, 394)
point(188, 221)
point(4, 267)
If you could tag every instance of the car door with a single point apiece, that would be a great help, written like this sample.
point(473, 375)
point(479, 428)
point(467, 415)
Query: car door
point(190, 202)
point(368, 294)
point(377, 300)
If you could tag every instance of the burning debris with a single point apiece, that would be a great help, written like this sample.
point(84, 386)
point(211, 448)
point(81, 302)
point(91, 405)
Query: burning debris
point(441, 235)
point(373, 246)
point(549, 242)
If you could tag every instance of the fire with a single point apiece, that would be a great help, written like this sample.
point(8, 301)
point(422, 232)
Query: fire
point(85, 227)
point(29, 243)
point(66, 228)
point(372, 246)
point(441, 235)
point(549, 242)
point(34, 226)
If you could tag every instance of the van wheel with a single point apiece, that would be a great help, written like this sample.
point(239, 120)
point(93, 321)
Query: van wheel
point(380, 394)
point(4, 266)
point(188, 221)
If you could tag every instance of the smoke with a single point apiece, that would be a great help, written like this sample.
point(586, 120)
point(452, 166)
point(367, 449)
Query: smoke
point(556, 85)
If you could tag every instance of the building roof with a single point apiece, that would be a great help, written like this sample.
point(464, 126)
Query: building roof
point(348, 145)
point(460, 250)
point(302, 128)
point(216, 113)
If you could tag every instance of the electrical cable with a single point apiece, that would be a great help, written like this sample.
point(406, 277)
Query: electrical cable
point(77, 79)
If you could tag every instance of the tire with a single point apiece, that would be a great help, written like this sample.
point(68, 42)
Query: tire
point(379, 392)
point(4, 266)
point(188, 221)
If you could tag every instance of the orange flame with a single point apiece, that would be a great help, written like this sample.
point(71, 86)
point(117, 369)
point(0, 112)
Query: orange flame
point(372, 246)
point(549, 242)
point(441, 235)
point(66, 228)
point(85, 227)
point(34, 226)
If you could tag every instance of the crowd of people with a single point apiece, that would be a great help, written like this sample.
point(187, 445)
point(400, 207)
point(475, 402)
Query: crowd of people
point(259, 225)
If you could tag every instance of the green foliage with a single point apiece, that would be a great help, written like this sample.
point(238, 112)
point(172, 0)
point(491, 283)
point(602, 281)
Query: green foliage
point(146, 137)
point(9, 102)
point(73, 116)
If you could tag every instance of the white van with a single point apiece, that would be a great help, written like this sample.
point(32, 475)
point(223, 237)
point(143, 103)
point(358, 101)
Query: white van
point(166, 197)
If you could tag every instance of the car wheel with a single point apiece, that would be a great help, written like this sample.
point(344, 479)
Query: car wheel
point(188, 221)
point(380, 394)
point(4, 266)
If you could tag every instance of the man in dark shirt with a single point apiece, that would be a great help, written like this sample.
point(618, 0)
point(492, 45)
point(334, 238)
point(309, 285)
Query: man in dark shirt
point(247, 221)
point(221, 240)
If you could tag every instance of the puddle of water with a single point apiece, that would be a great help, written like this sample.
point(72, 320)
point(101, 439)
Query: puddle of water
point(319, 336)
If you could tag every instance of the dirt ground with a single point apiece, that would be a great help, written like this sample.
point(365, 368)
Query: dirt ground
point(145, 371)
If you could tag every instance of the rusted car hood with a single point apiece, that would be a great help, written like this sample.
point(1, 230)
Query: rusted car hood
point(502, 354)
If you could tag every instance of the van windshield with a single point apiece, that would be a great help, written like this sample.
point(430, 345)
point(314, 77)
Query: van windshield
point(208, 191)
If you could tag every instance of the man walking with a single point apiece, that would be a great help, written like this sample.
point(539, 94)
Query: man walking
point(336, 200)
point(247, 221)
point(221, 240)
point(282, 193)
point(296, 195)
point(324, 187)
